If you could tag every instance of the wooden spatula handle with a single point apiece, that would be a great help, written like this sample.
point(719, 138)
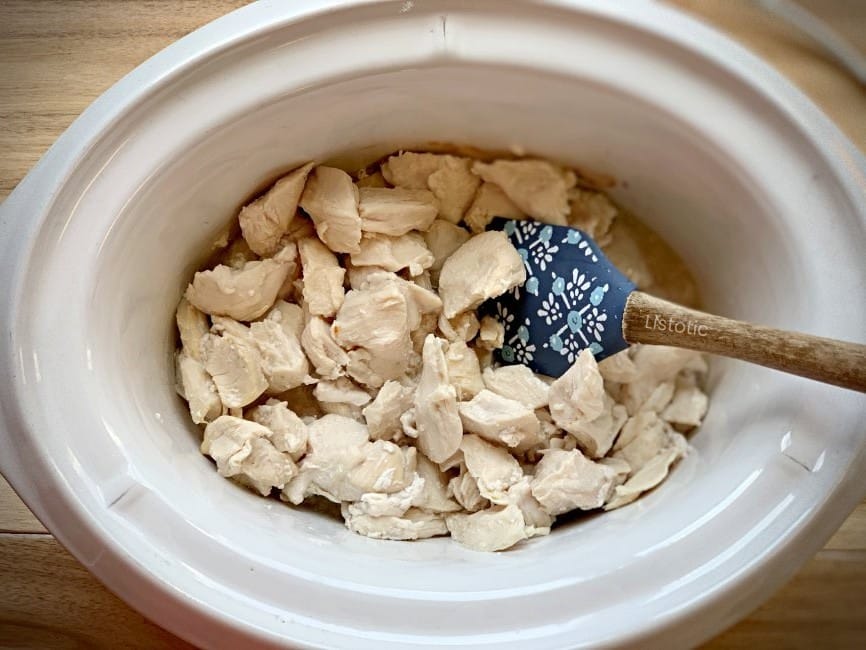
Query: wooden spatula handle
point(648, 319)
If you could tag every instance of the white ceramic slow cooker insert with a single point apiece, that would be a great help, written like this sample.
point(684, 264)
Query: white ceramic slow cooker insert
point(747, 180)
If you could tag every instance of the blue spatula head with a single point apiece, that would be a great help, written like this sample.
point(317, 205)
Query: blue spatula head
point(573, 299)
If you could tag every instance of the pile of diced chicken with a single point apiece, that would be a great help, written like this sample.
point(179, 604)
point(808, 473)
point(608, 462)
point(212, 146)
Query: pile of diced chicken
point(334, 351)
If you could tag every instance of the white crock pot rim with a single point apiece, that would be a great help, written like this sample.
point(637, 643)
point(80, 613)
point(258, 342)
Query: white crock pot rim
point(255, 20)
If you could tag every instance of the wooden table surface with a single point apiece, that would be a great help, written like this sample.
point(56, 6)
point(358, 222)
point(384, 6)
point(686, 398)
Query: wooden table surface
point(56, 56)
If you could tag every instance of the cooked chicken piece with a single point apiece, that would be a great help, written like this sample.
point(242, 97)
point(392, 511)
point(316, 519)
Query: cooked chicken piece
point(592, 212)
point(463, 327)
point(327, 357)
point(494, 529)
point(659, 398)
point(266, 220)
point(500, 420)
point(376, 318)
point(242, 294)
point(435, 496)
point(289, 316)
point(484, 267)
point(443, 238)
point(618, 368)
point(688, 407)
point(578, 396)
point(565, 480)
point(396, 211)
point(490, 202)
point(492, 467)
point(197, 388)
point(371, 180)
point(343, 409)
point(643, 436)
point(192, 325)
point(537, 187)
point(288, 431)
point(366, 369)
point(341, 390)
point(436, 416)
point(394, 253)
point(323, 278)
point(463, 370)
point(237, 254)
point(383, 413)
point(595, 437)
point(465, 491)
point(243, 450)
point(301, 227)
point(387, 469)
point(331, 199)
point(407, 421)
point(491, 334)
point(618, 465)
point(520, 494)
point(378, 504)
point(302, 402)
point(235, 364)
point(454, 186)
point(411, 170)
point(647, 477)
point(518, 383)
point(414, 524)
point(655, 364)
point(336, 446)
point(282, 360)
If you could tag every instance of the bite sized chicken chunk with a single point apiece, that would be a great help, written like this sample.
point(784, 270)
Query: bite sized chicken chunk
point(464, 373)
point(396, 211)
point(578, 396)
point(535, 516)
point(435, 496)
point(484, 267)
point(235, 364)
point(688, 407)
point(500, 420)
point(265, 220)
point(494, 529)
point(649, 476)
point(243, 450)
point(591, 212)
point(454, 186)
point(192, 325)
point(288, 431)
point(289, 316)
point(655, 364)
point(492, 467)
point(537, 187)
point(327, 357)
point(336, 446)
point(463, 327)
point(443, 238)
point(386, 469)
point(395, 504)
point(618, 368)
point(413, 524)
point(518, 383)
point(394, 253)
point(490, 202)
point(376, 318)
point(197, 388)
point(595, 437)
point(436, 416)
point(282, 359)
point(238, 253)
point(323, 278)
point(566, 480)
point(491, 334)
point(342, 409)
point(383, 413)
point(464, 489)
point(643, 436)
point(243, 294)
point(331, 199)
point(411, 170)
point(341, 391)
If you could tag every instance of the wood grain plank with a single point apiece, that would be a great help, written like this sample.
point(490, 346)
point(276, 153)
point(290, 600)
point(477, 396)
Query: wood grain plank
point(15, 517)
point(49, 600)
